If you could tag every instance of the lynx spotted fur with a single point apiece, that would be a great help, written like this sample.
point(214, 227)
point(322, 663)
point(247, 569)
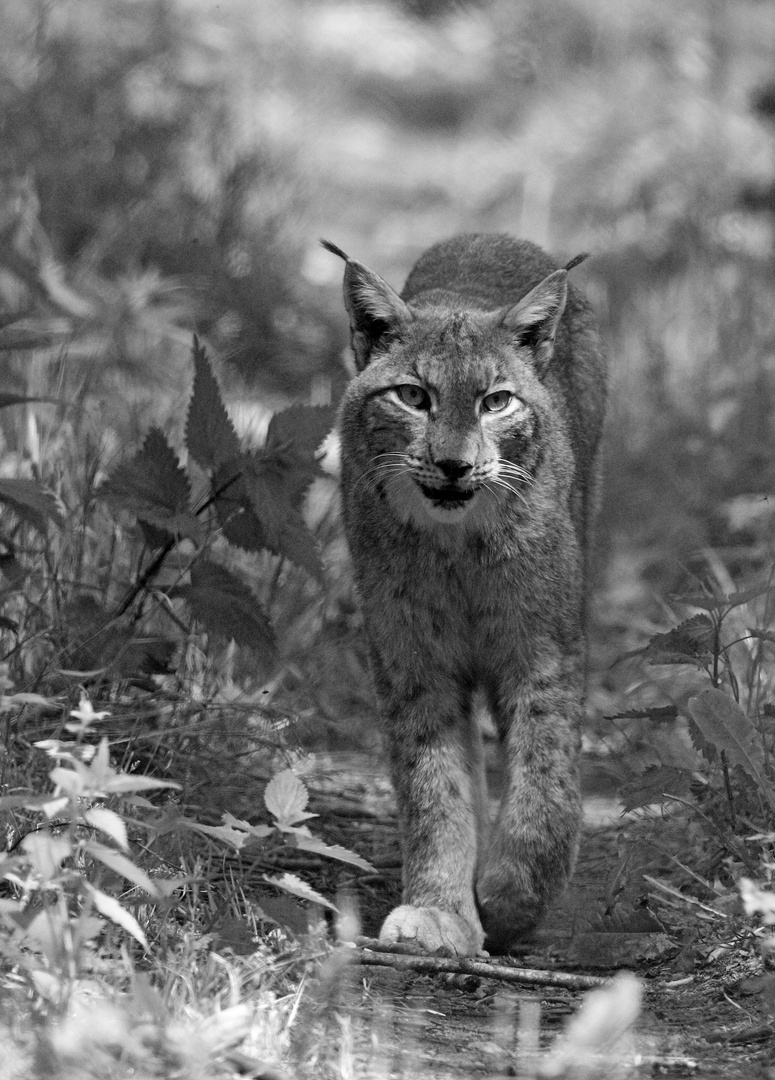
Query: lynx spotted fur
point(468, 442)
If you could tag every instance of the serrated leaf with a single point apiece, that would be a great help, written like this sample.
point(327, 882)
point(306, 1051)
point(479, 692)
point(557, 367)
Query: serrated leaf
point(154, 487)
point(33, 503)
point(284, 531)
point(120, 864)
point(225, 833)
point(123, 782)
point(293, 438)
point(653, 784)
point(112, 909)
point(210, 435)
point(255, 832)
point(691, 642)
point(285, 797)
point(723, 723)
point(108, 822)
point(332, 851)
point(226, 607)
point(292, 884)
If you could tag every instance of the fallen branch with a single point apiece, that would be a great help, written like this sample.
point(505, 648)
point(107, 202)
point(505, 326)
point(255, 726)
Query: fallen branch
point(402, 957)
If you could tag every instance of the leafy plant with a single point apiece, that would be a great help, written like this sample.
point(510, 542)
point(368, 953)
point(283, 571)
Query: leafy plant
point(57, 874)
point(729, 722)
point(191, 523)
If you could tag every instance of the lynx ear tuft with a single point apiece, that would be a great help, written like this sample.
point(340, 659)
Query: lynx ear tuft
point(534, 320)
point(576, 261)
point(334, 249)
point(377, 313)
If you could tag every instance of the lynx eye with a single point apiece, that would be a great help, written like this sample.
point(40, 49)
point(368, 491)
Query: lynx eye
point(414, 396)
point(498, 401)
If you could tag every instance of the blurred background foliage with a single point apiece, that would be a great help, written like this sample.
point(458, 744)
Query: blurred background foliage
point(167, 166)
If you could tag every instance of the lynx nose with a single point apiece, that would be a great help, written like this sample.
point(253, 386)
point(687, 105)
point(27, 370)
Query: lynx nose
point(454, 470)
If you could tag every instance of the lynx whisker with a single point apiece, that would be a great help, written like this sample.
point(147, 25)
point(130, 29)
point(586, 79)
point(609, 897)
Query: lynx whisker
point(498, 481)
point(509, 468)
point(371, 477)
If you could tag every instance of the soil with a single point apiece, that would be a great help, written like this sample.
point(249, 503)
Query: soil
point(705, 1013)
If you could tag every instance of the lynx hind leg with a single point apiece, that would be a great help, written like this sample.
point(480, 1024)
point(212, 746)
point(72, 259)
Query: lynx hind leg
point(432, 930)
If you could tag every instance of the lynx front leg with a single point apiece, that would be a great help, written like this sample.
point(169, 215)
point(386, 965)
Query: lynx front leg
point(436, 767)
point(534, 841)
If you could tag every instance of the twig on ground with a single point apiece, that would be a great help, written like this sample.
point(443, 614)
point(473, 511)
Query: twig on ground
point(403, 958)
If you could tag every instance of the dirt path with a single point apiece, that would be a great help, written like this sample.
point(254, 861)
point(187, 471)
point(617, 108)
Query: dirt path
point(397, 1024)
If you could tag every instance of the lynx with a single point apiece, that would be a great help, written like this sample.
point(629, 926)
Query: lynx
point(468, 442)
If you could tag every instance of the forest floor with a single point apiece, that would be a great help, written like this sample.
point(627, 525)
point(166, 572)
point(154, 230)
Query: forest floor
point(702, 1019)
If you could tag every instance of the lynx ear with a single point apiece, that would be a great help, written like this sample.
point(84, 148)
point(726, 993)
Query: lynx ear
point(377, 313)
point(534, 320)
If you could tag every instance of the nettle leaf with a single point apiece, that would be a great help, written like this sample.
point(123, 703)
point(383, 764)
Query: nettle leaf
point(293, 438)
point(109, 822)
point(121, 865)
point(154, 487)
point(235, 838)
point(210, 435)
point(269, 491)
point(307, 842)
point(292, 884)
point(226, 606)
point(112, 909)
point(723, 724)
point(257, 513)
point(33, 503)
point(690, 643)
point(653, 784)
point(286, 797)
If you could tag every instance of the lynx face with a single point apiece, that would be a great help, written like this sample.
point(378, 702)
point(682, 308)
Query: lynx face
point(451, 417)
point(446, 413)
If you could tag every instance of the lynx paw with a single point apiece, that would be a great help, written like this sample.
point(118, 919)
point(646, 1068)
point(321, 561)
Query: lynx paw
point(431, 929)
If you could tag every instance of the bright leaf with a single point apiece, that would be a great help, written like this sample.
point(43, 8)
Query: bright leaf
point(292, 884)
point(120, 864)
point(109, 822)
point(234, 837)
point(332, 851)
point(285, 797)
point(112, 909)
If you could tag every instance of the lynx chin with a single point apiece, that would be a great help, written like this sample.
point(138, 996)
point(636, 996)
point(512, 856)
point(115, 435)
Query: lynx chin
point(468, 464)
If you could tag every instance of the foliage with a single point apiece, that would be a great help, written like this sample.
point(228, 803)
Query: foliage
point(74, 868)
point(184, 521)
point(732, 744)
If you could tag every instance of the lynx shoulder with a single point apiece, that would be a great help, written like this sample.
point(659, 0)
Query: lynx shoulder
point(468, 471)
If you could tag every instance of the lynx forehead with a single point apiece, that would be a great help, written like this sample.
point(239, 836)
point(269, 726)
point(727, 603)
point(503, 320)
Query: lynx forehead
point(468, 444)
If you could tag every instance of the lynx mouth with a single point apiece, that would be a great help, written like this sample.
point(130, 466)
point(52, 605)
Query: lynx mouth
point(447, 498)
